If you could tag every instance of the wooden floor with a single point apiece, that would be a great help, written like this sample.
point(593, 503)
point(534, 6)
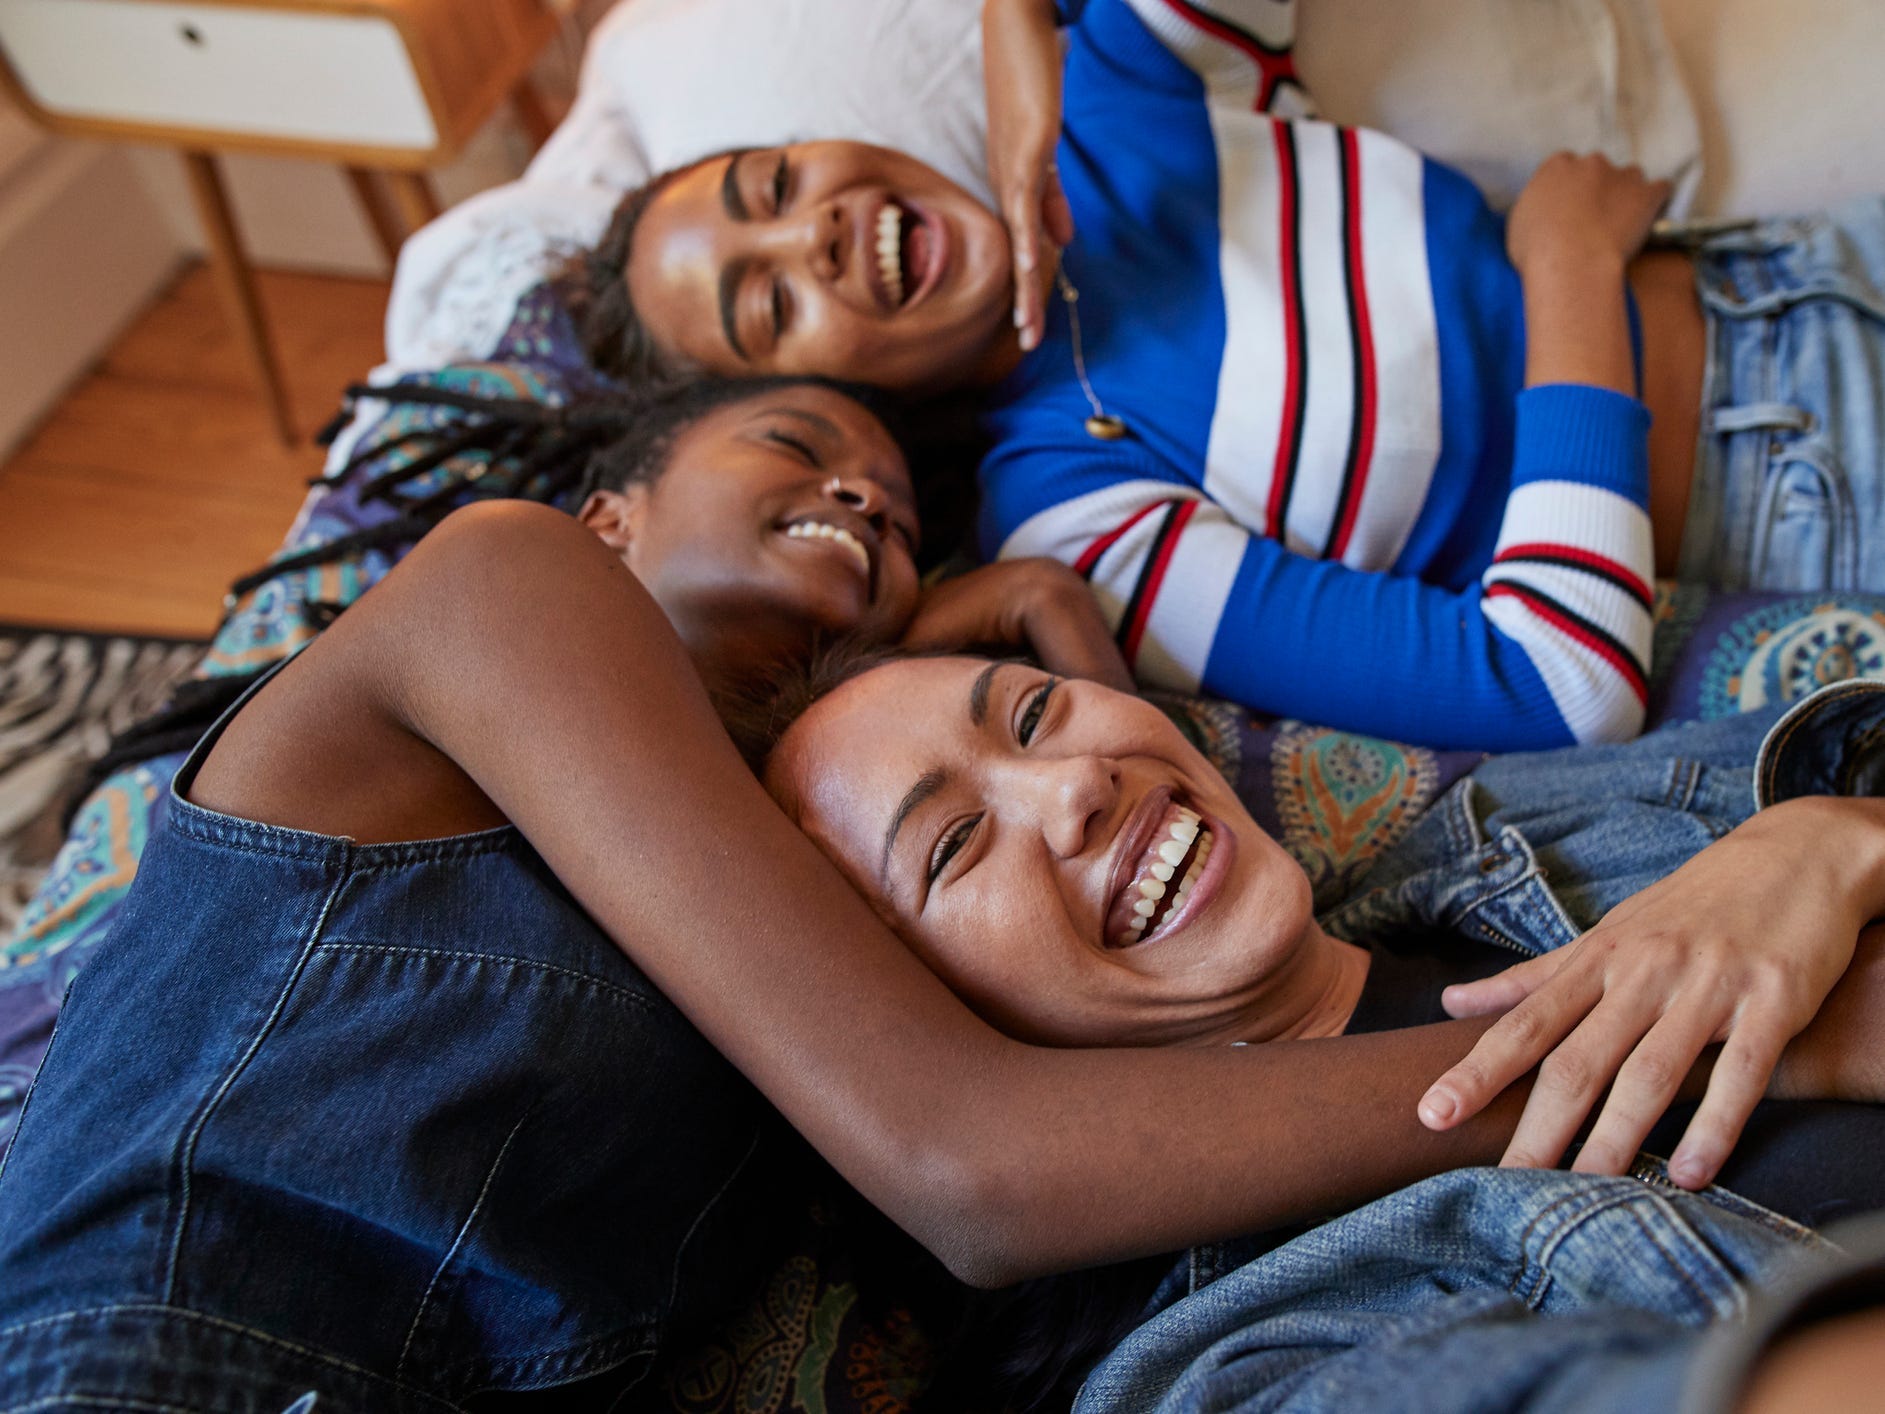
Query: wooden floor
point(158, 479)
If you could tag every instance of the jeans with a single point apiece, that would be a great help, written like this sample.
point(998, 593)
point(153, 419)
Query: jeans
point(378, 1127)
point(1481, 1289)
point(1788, 490)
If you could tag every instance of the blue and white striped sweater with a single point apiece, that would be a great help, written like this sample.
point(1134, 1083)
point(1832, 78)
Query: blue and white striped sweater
point(1337, 503)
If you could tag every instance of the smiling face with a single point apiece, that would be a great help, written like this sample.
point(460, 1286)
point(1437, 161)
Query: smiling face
point(833, 258)
point(1012, 827)
point(776, 517)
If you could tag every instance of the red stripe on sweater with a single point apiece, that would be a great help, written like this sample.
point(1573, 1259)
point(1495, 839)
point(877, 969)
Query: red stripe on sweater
point(1361, 452)
point(1090, 556)
point(1155, 578)
point(1273, 66)
point(1550, 550)
point(1283, 470)
point(1625, 665)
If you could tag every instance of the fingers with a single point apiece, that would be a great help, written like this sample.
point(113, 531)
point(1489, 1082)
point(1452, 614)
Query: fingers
point(1570, 1081)
point(1024, 229)
point(1071, 639)
point(1503, 990)
point(1056, 214)
point(1516, 1043)
point(1735, 1086)
point(1646, 1085)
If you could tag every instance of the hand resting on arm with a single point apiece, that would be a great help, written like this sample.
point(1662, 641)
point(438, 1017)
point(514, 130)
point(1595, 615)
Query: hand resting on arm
point(1740, 947)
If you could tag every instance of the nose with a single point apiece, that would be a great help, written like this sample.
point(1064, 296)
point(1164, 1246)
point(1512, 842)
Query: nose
point(862, 495)
point(820, 238)
point(1071, 798)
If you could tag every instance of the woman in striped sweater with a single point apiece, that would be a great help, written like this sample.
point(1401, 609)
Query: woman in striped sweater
point(1325, 434)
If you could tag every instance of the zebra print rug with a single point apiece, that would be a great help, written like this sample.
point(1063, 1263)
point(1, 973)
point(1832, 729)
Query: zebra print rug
point(63, 696)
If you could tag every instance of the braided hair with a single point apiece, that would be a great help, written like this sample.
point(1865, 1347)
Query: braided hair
point(503, 447)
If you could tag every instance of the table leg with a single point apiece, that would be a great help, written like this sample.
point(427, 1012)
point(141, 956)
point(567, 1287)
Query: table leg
point(238, 284)
point(373, 201)
point(533, 115)
point(413, 193)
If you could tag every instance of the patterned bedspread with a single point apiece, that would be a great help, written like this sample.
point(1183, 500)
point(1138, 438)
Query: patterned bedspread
point(817, 1338)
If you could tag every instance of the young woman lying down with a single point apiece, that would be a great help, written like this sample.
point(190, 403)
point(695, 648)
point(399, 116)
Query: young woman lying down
point(1061, 856)
point(1389, 461)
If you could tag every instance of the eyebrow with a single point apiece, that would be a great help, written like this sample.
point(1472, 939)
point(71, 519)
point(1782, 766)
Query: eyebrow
point(730, 195)
point(932, 781)
point(978, 692)
point(816, 419)
point(929, 783)
point(731, 279)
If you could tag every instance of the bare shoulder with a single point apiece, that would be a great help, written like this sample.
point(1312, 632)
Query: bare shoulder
point(348, 741)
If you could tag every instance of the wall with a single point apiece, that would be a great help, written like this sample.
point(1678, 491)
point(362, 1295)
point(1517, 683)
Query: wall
point(82, 249)
point(89, 233)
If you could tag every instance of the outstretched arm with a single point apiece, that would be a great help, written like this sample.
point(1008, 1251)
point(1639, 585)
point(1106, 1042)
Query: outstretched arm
point(518, 647)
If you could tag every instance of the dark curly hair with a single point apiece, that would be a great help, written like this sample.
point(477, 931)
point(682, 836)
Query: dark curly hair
point(613, 336)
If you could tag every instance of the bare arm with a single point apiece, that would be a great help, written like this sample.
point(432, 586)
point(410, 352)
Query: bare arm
point(516, 645)
point(1572, 232)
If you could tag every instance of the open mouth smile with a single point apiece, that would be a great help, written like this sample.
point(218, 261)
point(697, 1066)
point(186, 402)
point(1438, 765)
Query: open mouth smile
point(910, 250)
point(856, 551)
point(1161, 880)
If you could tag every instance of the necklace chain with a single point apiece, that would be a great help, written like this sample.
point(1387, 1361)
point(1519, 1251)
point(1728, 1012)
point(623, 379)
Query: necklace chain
point(1102, 424)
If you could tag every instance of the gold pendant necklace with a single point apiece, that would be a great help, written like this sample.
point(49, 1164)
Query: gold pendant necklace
point(1102, 424)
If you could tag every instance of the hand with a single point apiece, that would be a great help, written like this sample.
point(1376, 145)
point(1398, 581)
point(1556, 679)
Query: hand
point(1841, 1054)
point(1021, 71)
point(1739, 946)
point(1582, 210)
point(1040, 605)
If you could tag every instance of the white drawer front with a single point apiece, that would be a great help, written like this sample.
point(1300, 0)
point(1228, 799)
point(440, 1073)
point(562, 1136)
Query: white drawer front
point(273, 73)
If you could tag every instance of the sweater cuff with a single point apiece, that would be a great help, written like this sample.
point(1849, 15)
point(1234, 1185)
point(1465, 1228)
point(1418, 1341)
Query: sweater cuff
point(1574, 432)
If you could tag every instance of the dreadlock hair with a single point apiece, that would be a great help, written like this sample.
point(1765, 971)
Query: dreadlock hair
point(522, 449)
point(596, 282)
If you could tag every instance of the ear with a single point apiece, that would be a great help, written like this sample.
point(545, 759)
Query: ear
point(616, 516)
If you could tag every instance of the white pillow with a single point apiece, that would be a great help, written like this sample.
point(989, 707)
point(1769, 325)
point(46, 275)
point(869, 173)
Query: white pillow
point(1492, 86)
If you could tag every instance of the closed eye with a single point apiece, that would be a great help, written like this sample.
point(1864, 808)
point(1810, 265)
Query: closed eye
point(1032, 713)
point(779, 181)
point(950, 845)
point(804, 451)
point(778, 309)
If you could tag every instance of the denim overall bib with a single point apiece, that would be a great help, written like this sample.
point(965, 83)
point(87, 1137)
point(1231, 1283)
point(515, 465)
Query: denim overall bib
point(328, 1126)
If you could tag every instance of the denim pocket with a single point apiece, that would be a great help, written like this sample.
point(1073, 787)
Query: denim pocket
point(1804, 534)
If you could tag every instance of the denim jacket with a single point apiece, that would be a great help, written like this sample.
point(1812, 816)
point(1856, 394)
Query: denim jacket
point(1430, 1298)
point(1531, 850)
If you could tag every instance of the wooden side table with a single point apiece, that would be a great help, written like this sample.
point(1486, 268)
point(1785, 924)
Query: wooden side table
point(386, 87)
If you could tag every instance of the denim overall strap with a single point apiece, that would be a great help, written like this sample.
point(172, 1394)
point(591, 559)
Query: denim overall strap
point(392, 1124)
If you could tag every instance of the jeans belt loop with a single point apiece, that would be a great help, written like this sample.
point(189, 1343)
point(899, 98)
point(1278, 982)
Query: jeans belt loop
point(1763, 416)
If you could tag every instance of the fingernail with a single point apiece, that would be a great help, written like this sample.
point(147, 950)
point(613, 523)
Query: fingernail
point(1438, 1109)
point(1685, 1171)
point(1028, 340)
point(1020, 319)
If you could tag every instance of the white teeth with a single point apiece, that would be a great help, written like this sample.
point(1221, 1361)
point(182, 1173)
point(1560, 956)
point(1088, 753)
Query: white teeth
point(890, 249)
point(1153, 890)
point(818, 530)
